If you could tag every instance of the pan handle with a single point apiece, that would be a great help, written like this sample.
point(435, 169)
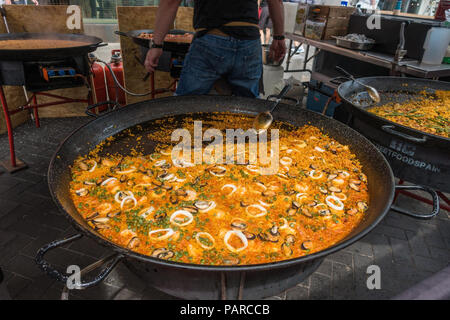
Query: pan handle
point(99, 45)
point(281, 96)
point(93, 106)
point(123, 34)
point(345, 72)
point(433, 194)
point(390, 129)
point(62, 277)
point(297, 102)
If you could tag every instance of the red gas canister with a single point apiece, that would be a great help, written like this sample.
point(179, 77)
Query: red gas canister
point(99, 85)
point(116, 65)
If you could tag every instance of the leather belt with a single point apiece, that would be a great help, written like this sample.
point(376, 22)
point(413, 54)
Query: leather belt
point(219, 32)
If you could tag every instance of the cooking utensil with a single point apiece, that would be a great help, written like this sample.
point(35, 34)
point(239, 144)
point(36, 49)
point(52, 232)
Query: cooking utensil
point(264, 119)
point(414, 156)
point(90, 45)
point(354, 45)
point(3, 13)
point(202, 281)
point(373, 93)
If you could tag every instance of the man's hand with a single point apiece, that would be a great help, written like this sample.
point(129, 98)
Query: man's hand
point(277, 50)
point(152, 59)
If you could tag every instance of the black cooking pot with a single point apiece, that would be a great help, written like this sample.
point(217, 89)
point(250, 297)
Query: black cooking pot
point(414, 156)
point(201, 281)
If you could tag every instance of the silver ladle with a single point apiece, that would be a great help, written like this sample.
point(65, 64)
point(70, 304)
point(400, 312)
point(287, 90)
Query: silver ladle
point(264, 119)
point(373, 93)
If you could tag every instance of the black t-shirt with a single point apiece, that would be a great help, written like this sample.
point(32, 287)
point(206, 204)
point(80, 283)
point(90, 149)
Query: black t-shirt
point(214, 14)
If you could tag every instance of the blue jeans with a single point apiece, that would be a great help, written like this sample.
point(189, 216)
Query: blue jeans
point(212, 57)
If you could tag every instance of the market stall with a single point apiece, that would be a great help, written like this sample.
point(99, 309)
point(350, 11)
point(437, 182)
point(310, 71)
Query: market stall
point(203, 226)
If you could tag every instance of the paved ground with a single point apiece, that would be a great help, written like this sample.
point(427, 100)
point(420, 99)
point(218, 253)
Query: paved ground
point(406, 250)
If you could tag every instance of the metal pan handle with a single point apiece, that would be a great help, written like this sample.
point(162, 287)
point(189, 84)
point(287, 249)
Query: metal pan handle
point(433, 194)
point(281, 96)
point(99, 45)
point(345, 72)
point(61, 277)
point(123, 34)
point(94, 106)
point(297, 102)
point(390, 129)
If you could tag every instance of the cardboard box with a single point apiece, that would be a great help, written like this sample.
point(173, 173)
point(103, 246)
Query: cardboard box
point(324, 22)
point(300, 19)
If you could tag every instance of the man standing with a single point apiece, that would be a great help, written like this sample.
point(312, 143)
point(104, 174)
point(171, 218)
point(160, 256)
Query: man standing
point(227, 44)
point(265, 23)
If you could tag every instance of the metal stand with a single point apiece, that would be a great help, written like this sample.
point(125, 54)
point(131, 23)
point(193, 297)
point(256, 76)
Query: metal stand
point(13, 164)
point(173, 87)
point(412, 195)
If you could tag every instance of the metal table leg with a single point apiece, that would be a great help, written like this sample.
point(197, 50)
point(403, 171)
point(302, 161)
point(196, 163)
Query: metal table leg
point(288, 62)
point(305, 62)
point(13, 164)
point(36, 112)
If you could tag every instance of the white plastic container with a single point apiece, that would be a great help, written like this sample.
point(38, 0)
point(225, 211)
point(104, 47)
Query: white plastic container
point(290, 11)
point(435, 45)
point(272, 76)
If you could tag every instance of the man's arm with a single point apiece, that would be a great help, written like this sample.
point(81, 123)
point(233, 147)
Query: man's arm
point(278, 48)
point(165, 16)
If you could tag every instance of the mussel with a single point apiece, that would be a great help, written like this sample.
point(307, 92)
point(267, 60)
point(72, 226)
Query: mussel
point(93, 215)
point(362, 206)
point(101, 223)
point(307, 245)
point(134, 243)
point(162, 253)
point(291, 211)
point(231, 261)
point(290, 239)
point(249, 235)
point(173, 199)
point(286, 249)
point(113, 214)
point(83, 166)
point(354, 186)
point(218, 171)
point(181, 193)
point(238, 224)
point(244, 204)
point(82, 192)
point(306, 212)
point(269, 193)
point(190, 209)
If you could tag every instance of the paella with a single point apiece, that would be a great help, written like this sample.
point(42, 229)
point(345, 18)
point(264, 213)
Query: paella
point(181, 38)
point(426, 112)
point(221, 213)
